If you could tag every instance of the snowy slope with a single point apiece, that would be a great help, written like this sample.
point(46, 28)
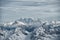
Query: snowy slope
point(30, 29)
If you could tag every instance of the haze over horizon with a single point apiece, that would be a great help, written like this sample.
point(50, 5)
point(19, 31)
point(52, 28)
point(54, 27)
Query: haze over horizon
point(14, 9)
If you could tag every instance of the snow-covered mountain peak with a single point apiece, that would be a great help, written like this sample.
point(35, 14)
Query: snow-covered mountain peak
point(18, 23)
point(28, 29)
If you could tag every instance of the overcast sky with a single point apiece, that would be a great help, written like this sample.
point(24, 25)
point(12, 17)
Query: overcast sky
point(14, 9)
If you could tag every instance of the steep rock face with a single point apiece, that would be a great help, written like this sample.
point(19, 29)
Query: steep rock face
point(29, 29)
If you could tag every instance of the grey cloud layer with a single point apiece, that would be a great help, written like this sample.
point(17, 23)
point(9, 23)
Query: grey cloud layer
point(27, 3)
point(13, 9)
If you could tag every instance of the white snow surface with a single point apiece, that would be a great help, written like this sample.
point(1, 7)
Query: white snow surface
point(30, 29)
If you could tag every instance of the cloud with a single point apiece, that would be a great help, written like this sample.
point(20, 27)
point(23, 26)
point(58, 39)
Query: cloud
point(22, 3)
point(33, 0)
point(28, 2)
point(31, 7)
point(13, 9)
